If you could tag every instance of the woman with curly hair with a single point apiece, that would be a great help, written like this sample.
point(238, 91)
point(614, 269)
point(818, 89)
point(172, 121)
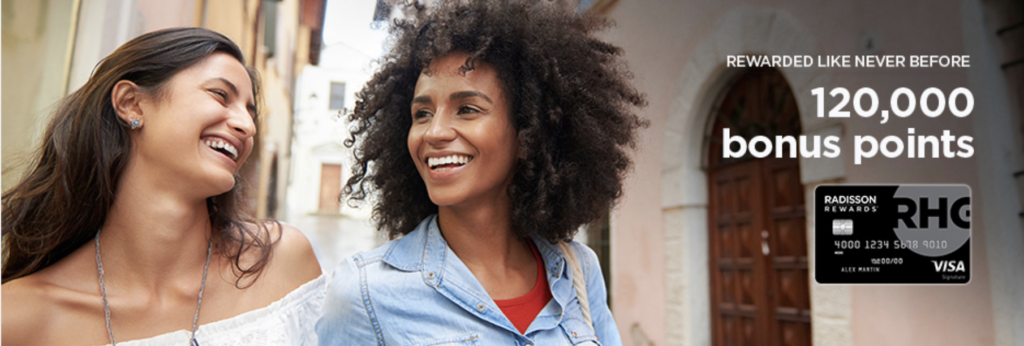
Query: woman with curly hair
point(128, 225)
point(492, 131)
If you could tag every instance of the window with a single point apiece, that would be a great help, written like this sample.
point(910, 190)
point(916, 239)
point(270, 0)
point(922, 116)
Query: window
point(597, 236)
point(272, 190)
point(382, 11)
point(270, 26)
point(600, 7)
point(599, 240)
point(337, 95)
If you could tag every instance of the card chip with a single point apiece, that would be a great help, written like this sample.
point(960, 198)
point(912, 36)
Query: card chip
point(842, 227)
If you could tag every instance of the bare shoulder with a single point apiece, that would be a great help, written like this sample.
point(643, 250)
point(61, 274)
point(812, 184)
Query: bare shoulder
point(24, 309)
point(58, 305)
point(293, 262)
point(39, 311)
point(285, 262)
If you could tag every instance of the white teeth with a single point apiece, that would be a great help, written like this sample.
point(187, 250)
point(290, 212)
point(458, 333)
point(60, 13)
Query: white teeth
point(217, 144)
point(433, 162)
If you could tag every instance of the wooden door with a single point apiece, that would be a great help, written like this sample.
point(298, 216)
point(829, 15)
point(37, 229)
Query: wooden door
point(738, 271)
point(330, 188)
point(787, 276)
point(758, 248)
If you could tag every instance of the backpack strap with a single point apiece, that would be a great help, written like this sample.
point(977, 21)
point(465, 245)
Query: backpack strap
point(578, 281)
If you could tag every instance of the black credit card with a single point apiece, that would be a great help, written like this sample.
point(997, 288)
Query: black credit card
point(892, 234)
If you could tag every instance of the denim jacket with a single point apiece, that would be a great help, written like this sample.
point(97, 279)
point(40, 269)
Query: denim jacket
point(415, 291)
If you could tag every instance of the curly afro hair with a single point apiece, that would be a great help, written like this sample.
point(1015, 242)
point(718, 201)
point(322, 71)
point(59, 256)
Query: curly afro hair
point(569, 98)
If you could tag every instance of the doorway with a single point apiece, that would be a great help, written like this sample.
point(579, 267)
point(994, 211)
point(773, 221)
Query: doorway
point(759, 283)
point(330, 188)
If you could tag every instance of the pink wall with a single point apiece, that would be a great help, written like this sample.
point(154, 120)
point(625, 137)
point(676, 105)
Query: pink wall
point(660, 36)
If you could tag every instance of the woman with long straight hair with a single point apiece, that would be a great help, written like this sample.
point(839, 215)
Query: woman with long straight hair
point(129, 225)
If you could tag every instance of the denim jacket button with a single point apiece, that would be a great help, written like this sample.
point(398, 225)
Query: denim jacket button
point(574, 335)
point(430, 275)
point(480, 307)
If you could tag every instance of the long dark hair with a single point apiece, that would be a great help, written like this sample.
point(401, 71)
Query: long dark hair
point(570, 99)
point(64, 198)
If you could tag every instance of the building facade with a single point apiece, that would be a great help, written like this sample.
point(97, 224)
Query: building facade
point(706, 252)
point(322, 163)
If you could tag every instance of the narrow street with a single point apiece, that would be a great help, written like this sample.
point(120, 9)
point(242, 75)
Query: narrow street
point(336, 237)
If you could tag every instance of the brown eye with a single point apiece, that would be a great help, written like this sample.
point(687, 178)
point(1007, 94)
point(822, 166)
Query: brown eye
point(223, 95)
point(467, 110)
point(421, 114)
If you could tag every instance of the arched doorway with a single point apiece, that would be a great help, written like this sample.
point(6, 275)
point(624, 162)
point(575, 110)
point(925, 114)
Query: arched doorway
point(756, 223)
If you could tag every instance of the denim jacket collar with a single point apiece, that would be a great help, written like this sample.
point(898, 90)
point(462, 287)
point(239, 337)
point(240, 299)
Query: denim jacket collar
point(425, 250)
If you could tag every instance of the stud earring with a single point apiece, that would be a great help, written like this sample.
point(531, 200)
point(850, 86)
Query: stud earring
point(136, 123)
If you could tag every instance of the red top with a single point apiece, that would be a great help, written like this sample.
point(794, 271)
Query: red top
point(522, 310)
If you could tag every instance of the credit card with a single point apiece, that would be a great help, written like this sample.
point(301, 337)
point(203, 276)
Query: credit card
point(892, 234)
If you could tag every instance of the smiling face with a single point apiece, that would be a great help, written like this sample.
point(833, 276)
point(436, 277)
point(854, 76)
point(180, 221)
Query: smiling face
point(461, 138)
point(199, 130)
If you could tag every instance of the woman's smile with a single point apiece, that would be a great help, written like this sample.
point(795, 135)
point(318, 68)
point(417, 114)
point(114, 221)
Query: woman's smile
point(447, 166)
point(441, 164)
point(222, 151)
point(461, 137)
point(222, 146)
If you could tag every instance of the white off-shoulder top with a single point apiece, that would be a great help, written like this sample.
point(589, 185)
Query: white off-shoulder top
point(288, 321)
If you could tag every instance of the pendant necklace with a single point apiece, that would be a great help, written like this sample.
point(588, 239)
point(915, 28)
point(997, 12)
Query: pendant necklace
point(106, 306)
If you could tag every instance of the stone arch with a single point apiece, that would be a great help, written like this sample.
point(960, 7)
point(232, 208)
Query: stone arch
point(684, 178)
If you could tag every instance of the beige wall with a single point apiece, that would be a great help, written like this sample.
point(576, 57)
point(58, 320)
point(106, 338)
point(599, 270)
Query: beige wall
point(677, 51)
point(278, 75)
point(162, 14)
point(36, 56)
point(239, 20)
point(234, 19)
